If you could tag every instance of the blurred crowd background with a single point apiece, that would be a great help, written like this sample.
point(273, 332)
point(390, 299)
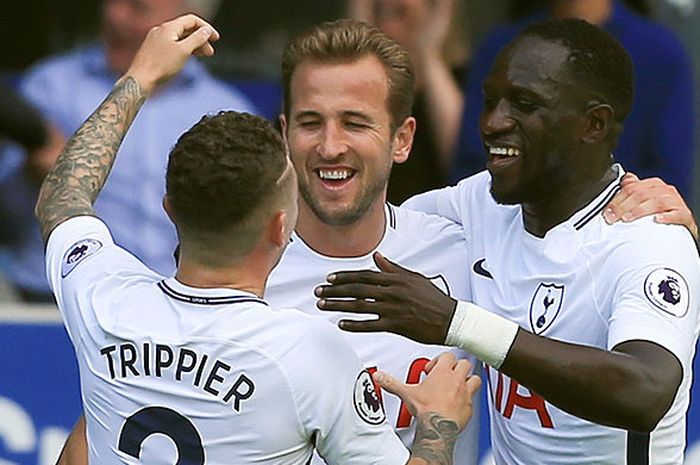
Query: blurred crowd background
point(60, 57)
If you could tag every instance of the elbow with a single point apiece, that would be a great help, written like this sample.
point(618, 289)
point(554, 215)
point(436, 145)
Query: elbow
point(649, 406)
point(644, 422)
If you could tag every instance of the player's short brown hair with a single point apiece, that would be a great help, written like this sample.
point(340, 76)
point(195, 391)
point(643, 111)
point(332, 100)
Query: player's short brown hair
point(222, 172)
point(348, 40)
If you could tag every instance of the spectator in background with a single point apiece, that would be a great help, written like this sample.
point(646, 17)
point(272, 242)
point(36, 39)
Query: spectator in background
point(20, 123)
point(658, 135)
point(432, 32)
point(66, 89)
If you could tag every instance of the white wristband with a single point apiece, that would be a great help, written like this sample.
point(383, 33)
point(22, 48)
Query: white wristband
point(481, 333)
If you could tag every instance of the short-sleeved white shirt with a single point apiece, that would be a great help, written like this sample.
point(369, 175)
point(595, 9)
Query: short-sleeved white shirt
point(213, 376)
point(424, 243)
point(585, 282)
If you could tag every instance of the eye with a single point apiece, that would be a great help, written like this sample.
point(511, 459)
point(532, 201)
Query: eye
point(525, 105)
point(356, 125)
point(489, 101)
point(308, 124)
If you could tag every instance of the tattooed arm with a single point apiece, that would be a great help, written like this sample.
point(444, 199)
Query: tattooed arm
point(72, 185)
point(441, 405)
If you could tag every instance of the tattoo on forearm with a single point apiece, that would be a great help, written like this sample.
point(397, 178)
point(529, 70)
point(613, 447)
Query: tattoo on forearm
point(435, 439)
point(72, 185)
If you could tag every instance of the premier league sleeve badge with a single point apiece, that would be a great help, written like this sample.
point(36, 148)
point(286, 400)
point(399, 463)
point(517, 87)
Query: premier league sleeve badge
point(77, 253)
point(668, 291)
point(367, 403)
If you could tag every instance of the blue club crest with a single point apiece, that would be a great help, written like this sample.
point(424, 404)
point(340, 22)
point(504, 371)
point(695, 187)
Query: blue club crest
point(545, 306)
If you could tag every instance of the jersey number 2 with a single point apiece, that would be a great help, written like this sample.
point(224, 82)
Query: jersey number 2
point(152, 420)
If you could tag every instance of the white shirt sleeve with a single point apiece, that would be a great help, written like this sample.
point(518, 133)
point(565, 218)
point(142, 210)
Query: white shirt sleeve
point(81, 258)
point(345, 418)
point(656, 293)
point(449, 202)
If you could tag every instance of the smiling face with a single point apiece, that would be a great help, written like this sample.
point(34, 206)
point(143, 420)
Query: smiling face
point(340, 139)
point(531, 123)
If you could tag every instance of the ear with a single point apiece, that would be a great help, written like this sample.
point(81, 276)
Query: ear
point(168, 208)
point(283, 124)
point(599, 122)
point(277, 229)
point(403, 140)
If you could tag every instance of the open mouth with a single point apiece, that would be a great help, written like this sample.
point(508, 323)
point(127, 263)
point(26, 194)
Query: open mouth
point(335, 178)
point(501, 155)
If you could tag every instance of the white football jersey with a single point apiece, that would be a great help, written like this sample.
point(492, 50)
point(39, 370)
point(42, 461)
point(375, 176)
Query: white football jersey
point(175, 374)
point(427, 244)
point(585, 282)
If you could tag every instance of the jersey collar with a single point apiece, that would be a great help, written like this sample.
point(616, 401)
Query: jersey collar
point(598, 204)
point(205, 296)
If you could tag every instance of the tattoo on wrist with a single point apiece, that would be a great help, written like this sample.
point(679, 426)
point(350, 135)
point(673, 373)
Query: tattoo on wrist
point(81, 170)
point(435, 439)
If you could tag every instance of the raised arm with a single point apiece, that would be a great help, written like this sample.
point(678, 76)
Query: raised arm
point(80, 172)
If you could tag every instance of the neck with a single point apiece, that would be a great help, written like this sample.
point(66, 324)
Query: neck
point(593, 11)
point(352, 240)
point(540, 217)
point(247, 275)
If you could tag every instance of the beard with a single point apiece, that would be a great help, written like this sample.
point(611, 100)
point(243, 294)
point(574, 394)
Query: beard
point(354, 212)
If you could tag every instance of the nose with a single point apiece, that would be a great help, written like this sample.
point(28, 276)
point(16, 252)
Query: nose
point(333, 142)
point(496, 119)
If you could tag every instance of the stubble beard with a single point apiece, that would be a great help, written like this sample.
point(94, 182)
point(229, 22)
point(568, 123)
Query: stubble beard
point(351, 214)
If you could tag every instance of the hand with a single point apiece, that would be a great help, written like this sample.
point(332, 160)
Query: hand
point(639, 198)
point(434, 27)
point(447, 391)
point(167, 48)
point(406, 302)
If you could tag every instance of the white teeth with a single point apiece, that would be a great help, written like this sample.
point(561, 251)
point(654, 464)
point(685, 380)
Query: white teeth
point(504, 151)
point(334, 174)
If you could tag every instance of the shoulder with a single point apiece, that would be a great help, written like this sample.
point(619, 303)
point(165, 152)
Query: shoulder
point(409, 223)
point(311, 348)
point(80, 253)
point(645, 243)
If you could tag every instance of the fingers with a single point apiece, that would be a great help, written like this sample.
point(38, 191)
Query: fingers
point(683, 218)
point(367, 326)
point(386, 265)
point(473, 384)
point(628, 178)
point(430, 365)
point(463, 368)
point(184, 26)
point(445, 362)
point(366, 276)
point(167, 48)
point(350, 290)
point(199, 41)
point(390, 384)
point(642, 198)
point(347, 306)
